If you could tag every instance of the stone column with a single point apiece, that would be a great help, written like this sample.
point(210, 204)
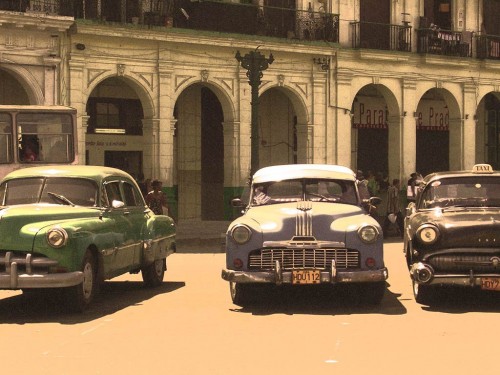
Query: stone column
point(408, 135)
point(469, 125)
point(343, 105)
point(77, 89)
point(305, 143)
point(231, 154)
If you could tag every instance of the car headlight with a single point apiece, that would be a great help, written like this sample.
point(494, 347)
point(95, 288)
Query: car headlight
point(368, 233)
point(57, 237)
point(241, 234)
point(428, 234)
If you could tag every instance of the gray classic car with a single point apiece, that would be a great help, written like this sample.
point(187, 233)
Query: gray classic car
point(304, 224)
point(72, 227)
point(452, 232)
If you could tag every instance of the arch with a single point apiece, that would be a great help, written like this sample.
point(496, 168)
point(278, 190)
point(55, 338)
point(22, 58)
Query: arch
point(375, 130)
point(222, 93)
point(28, 82)
point(145, 95)
point(487, 120)
point(295, 97)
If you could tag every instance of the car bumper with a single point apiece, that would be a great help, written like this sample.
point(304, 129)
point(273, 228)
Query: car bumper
point(423, 274)
point(15, 280)
point(285, 277)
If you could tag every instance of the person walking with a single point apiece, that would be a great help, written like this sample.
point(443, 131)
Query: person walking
point(394, 215)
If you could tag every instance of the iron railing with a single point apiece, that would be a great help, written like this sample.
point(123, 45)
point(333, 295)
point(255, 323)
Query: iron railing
point(200, 15)
point(444, 42)
point(381, 36)
point(488, 47)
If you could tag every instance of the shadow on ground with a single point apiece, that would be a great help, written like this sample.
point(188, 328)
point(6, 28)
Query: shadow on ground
point(319, 300)
point(49, 306)
point(459, 300)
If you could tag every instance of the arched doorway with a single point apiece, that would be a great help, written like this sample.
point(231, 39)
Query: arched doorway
point(114, 131)
point(11, 90)
point(488, 130)
point(278, 138)
point(434, 121)
point(371, 131)
point(199, 144)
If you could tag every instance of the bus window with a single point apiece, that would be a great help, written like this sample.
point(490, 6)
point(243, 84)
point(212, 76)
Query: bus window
point(5, 138)
point(45, 137)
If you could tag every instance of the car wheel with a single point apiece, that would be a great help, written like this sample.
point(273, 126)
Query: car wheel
point(80, 296)
point(372, 293)
point(423, 293)
point(153, 274)
point(241, 294)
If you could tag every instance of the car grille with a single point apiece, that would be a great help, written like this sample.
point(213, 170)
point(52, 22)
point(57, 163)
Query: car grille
point(265, 259)
point(26, 262)
point(482, 263)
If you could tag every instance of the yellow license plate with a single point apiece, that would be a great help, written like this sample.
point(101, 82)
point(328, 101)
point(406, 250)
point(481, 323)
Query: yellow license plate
point(490, 283)
point(306, 277)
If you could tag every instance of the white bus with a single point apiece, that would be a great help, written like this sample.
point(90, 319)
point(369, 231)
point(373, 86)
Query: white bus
point(33, 135)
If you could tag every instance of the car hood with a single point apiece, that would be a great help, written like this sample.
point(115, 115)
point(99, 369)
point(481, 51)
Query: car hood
point(464, 227)
point(323, 221)
point(19, 224)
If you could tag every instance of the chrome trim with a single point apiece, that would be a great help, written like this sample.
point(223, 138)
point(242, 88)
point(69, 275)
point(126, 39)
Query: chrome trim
point(303, 225)
point(358, 276)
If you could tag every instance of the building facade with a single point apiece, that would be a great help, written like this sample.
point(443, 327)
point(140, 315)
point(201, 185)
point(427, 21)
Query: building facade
point(390, 87)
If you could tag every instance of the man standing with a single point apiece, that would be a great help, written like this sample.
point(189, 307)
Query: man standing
point(411, 190)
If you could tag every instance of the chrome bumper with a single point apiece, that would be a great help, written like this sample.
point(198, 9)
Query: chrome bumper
point(12, 279)
point(423, 274)
point(285, 277)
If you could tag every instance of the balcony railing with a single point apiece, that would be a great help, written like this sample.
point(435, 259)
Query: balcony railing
point(488, 47)
point(381, 36)
point(444, 42)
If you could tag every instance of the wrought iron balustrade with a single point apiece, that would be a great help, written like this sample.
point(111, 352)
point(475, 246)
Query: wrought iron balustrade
point(381, 36)
point(444, 42)
point(488, 47)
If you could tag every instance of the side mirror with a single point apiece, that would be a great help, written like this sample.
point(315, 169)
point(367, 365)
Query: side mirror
point(237, 202)
point(375, 201)
point(117, 204)
point(410, 209)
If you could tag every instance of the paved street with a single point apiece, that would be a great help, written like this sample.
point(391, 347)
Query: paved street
point(189, 326)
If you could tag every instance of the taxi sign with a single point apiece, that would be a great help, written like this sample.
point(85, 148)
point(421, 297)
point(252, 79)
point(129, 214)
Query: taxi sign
point(482, 168)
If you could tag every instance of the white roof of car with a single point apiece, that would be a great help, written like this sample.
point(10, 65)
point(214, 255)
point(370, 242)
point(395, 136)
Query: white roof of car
point(294, 171)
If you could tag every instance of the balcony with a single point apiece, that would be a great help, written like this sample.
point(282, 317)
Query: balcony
point(381, 36)
point(444, 42)
point(209, 15)
point(488, 47)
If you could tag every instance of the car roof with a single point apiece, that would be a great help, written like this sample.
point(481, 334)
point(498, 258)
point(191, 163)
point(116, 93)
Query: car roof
point(294, 171)
point(476, 171)
point(83, 171)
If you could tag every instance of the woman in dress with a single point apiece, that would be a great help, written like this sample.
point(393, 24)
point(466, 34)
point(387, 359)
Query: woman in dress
point(156, 199)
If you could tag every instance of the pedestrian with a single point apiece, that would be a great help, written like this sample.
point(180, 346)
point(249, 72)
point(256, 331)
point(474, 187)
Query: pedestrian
point(362, 185)
point(156, 199)
point(373, 185)
point(411, 190)
point(394, 215)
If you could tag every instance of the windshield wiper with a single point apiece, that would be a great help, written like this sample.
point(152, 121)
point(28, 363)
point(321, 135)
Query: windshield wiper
point(60, 198)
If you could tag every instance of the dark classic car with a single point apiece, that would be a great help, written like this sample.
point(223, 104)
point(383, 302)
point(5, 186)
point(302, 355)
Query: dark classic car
point(72, 227)
point(304, 224)
point(452, 232)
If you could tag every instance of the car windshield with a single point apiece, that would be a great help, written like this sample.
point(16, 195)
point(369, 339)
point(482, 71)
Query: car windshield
point(317, 190)
point(56, 190)
point(473, 191)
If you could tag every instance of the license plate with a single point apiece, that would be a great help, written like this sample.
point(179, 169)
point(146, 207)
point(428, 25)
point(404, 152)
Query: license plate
point(306, 277)
point(490, 283)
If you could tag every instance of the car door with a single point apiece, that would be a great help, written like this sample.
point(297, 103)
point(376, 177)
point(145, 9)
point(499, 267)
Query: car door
point(137, 214)
point(121, 257)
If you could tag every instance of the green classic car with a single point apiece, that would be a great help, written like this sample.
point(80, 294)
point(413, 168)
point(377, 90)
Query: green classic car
point(72, 227)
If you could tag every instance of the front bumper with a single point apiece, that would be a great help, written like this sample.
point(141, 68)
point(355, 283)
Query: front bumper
point(12, 278)
point(285, 277)
point(423, 274)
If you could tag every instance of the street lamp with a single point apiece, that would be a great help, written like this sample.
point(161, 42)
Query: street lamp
point(254, 62)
